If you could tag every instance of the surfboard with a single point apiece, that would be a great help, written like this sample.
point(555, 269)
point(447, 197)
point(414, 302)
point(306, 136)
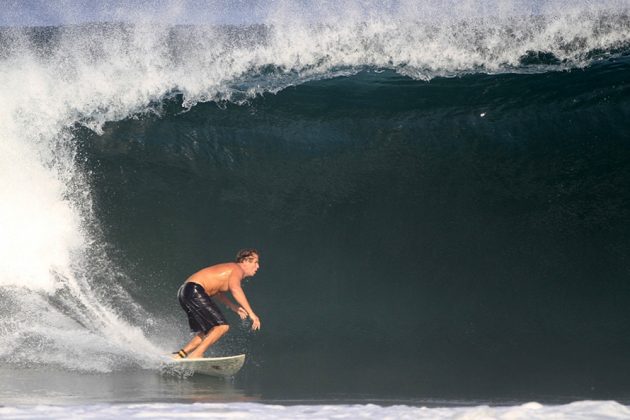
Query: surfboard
point(213, 366)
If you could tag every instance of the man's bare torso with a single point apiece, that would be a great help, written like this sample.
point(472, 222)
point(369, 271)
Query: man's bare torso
point(215, 279)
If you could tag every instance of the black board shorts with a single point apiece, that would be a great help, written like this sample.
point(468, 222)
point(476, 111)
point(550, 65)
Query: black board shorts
point(203, 313)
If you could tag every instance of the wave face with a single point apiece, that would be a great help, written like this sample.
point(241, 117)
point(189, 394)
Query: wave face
point(438, 198)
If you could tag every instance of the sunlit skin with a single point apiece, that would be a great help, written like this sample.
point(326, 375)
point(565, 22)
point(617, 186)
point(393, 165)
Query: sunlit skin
point(217, 280)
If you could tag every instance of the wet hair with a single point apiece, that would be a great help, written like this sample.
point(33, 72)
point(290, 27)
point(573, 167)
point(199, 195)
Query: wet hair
point(245, 254)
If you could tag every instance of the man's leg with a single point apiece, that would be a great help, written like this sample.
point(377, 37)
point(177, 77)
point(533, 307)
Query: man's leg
point(212, 337)
point(192, 344)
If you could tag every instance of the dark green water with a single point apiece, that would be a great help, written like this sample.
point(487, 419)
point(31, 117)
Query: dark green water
point(463, 238)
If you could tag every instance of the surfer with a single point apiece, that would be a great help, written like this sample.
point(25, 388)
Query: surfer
point(204, 317)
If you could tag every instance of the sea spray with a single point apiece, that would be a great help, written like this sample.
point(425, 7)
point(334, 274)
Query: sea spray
point(61, 304)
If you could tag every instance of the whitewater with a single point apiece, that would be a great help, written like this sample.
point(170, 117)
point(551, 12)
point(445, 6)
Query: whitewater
point(579, 410)
point(65, 302)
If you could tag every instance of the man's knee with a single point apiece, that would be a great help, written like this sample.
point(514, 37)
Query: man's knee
point(222, 328)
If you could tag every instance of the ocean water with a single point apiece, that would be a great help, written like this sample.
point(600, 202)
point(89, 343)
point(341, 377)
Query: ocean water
point(438, 194)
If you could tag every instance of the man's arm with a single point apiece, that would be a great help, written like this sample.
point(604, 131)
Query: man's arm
point(226, 301)
point(234, 284)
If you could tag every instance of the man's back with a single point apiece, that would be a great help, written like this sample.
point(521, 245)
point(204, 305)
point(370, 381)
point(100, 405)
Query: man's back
point(214, 279)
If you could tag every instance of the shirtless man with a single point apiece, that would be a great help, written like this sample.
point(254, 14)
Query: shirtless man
point(204, 317)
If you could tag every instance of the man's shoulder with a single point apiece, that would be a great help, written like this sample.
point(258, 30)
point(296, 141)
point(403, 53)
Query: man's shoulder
point(223, 268)
point(225, 265)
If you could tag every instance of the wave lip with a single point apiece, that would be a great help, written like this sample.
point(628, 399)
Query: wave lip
point(228, 62)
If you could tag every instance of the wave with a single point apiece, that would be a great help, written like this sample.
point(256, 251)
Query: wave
point(55, 261)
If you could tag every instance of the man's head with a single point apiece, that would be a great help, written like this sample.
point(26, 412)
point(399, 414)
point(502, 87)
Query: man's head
point(248, 260)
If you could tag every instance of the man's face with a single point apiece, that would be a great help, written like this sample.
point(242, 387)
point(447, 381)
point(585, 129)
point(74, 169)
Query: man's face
point(250, 265)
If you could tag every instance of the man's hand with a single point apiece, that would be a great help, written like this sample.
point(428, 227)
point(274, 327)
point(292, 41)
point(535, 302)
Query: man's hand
point(241, 312)
point(255, 322)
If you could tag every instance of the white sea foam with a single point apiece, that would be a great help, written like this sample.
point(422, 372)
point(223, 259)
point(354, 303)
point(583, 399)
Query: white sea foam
point(58, 288)
point(57, 285)
point(586, 410)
